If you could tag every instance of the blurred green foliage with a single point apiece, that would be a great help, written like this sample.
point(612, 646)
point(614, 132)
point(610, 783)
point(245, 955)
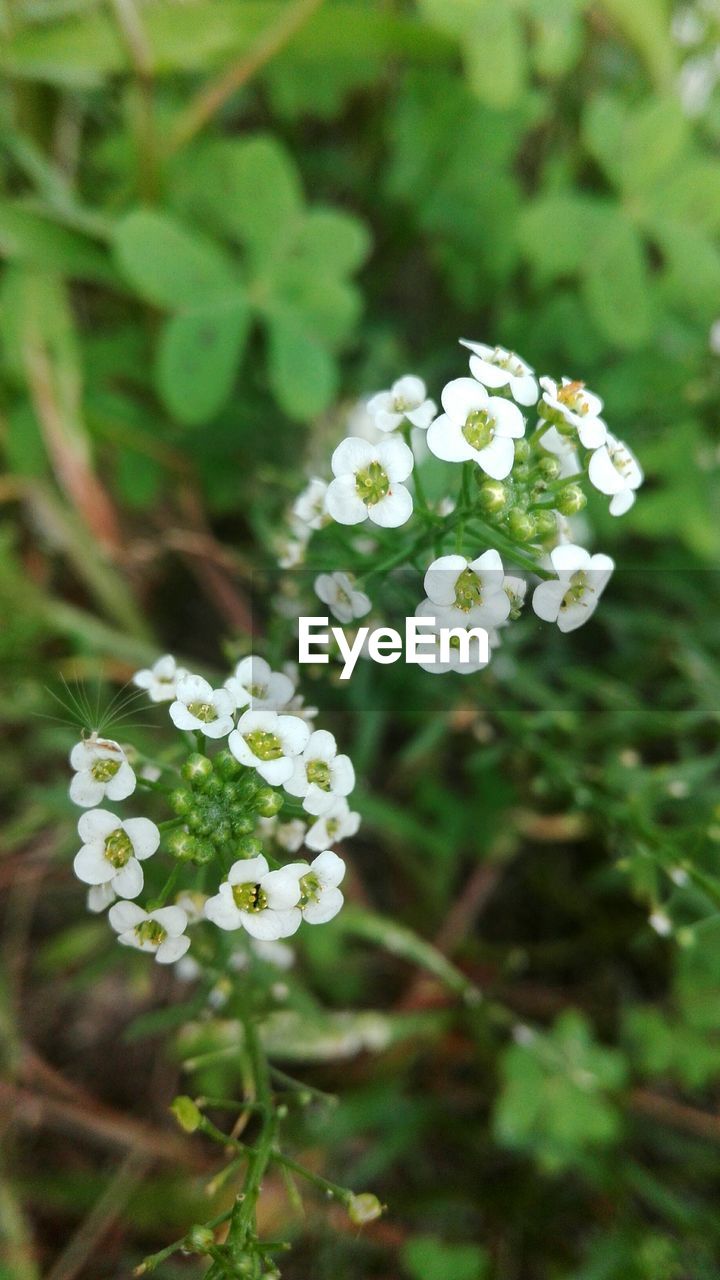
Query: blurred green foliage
point(221, 222)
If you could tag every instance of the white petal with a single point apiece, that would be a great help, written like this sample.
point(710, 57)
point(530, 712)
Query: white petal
point(410, 390)
point(282, 889)
point(385, 421)
point(326, 907)
point(508, 418)
point(86, 790)
point(497, 458)
point(128, 881)
point(182, 718)
point(97, 825)
point(124, 916)
point(343, 502)
point(423, 415)
point(569, 558)
point(329, 868)
point(619, 504)
point(171, 950)
point(265, 721)
point(240, 749)
point(144, 834)
point(592, 433)
point(491, 375)
point(577, 614)
point(248, 870)
point(462, 397)
point(287, 922)
point(275, 772)
point(342, 775)
point(396, 458)
point(381, 402)
point(99, 897)
point(547, 599)
point(297, 784)
point(321, 746)
point(252, 670)
point(194, 689)
point(392, 510)
point(524, 389)
point(446, 440)
point(441, 578)
point(352, 454)
point(293, 733)
point(172, 919)
point(91, 866)
point(603, 475)
point(223, 912)
point(122, 785)
point(317, 801)
point(218, 728)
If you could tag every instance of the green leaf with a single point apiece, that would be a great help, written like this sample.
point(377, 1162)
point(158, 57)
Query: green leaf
point(635, 148)
point(559, 233)
point(197, 359)
point(615, 286)
point(646, 24)
point(31, 238)
point(495, 57)
point(691, 195)
point(257, 195)
point(428, 1258)
point(303, 375)
point(332, 242)
point(171, 265)
point(690, 280)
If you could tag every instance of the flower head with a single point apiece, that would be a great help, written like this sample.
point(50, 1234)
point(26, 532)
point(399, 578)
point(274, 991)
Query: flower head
point(201, 708)
point(113, 850)
point(320, 897)
point(320, 774)
point(578, 407)
point(368, 482)
point(405, 401)
point(101, 770)
point(495, 367)
point(571, 598)
point(476, 427)
point(473, 589)
point(309, 506)
point(334, 824)
point(614, 469)
point(161, 931)
point(161, 679)
point(262, 902)
point(460, 652)
point(338, 592)
point(255, 685)
point(269, 743)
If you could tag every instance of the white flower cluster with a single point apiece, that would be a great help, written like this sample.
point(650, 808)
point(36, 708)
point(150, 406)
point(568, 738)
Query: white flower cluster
point(271, 742)
point(528, 448)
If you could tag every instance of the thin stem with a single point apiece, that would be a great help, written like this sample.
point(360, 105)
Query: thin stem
point(153, 1260)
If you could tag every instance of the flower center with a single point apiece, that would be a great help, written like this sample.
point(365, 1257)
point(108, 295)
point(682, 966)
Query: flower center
point(468, 591)
point(104, 770)
point(118, 848)
point(150, 931)
point(332, 826)
point(249, 897)
point(372, 484)
point(576, 590)
point(479, 429)
point(621, 461)
point(310, 889)
point(572, 396)
point(204, 711)
point(264, 745)
point(506, 360)
point(257, 690)
point(318, 771)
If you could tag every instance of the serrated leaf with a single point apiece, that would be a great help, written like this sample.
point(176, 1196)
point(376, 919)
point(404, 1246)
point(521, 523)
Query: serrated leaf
point(197, 359)
point(303, 375)
point(615, 286)
point(171, 265)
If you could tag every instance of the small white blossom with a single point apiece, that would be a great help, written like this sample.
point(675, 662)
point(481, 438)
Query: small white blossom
point(201, 708)
point(614, 470)
point(309, 506)
point(269, 743)
point(578, 407)
point(160, 680)
point(438, 660)
point(338, 592)
point(571, 598)
point(562, 448)
point(476, 427)
point(100, 896)
point(262, 902)
point(320, 897)
point(255, 685)
point(192, 902)
point(368, 482)
point(287, 835)
point(661, 923)
point(495, 367)
point(472, 588)
point(113, 850)
point(336, 823)
point(161, 931)
point(405, 401)
point(320, 773)
point(291, 553)
point(102, 771)
point(515, 589)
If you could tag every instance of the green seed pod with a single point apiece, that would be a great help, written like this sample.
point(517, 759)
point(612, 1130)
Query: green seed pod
point(227, 766)
point(545, 523)
point(549, 468)
point(249, 847)
point(571, 500)
point(493, 494)
point(200, 1239)
point(182, 845)
point(197, 769)
point(268, 802)
point(181, 801)
point(522, 450)
point(521, 525)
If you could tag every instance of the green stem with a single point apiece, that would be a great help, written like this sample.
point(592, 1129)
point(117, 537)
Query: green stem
point(153, 1260)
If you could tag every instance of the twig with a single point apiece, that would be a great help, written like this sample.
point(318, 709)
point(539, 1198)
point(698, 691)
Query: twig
point(676, 1114)
point(215, 95)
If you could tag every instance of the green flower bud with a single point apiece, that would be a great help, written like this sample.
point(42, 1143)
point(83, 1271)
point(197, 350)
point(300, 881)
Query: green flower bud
point(241, 823)
point(521, 525)
point(221, 832)
point(571, 500)
point(181, 801)
point(545, 523)
point(197, 769)
point(249, 847)
point(549, 468)
point(493, 495)
point(522, 450)
point(521, 471)
point(182, 845)
point(187, 1113)
point(268, 802)
point(204, 853)
point(227, 766)
point(364, 1208)
point(213, 786)
point(196, 820)
point(200, 1239)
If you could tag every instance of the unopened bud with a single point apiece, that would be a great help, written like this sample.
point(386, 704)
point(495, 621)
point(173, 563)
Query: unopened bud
point(521, 525)
point(196, 769)
point(268, 802)
point(493, 495)
point(549, 468)
point(364, 1208)
point(182, 845)
point(522, 450)
point(227, 766)
point(187, 1113)
point(545, 523)
point(249, 847)
point(571, 500)
point(181, 801)
point(200, 1239)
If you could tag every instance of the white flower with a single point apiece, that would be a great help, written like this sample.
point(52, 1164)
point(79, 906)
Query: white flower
point(368, 482)
point(102, 770)
point(291, 553)
point(476, 426)
point(614, 469)
point(160, 931)
point(572, 598)
point(255, 685)
point(309, 506)
point(262, 902)
point(334, 824)
point(161, 679)
point(406, 399)
point(269, 743)
point(496, 367)
point(320, 898)
point(113, 850)
point(320, 773)
point(562, 448)
point(192, 902)
point(474, 588)
point(515, 589)
point(278, 954)
point(100, 896)
point(434, 659)
point(337, 591)
point(288, 835)
point(200, 707)
point(579, 408)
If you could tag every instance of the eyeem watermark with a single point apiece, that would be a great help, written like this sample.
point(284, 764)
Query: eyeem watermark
point(423, 644)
